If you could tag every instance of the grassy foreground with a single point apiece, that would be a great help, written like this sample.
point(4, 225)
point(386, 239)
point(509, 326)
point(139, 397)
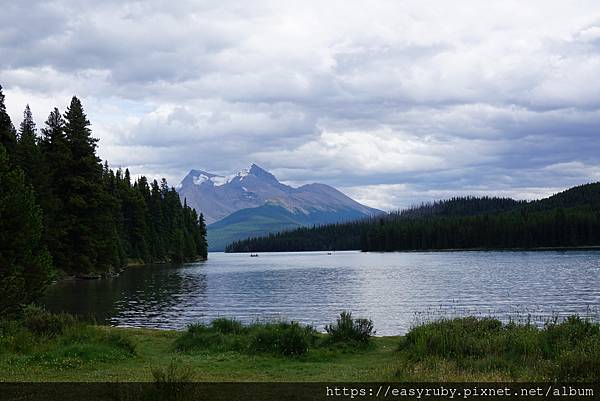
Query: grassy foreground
point(45, 347)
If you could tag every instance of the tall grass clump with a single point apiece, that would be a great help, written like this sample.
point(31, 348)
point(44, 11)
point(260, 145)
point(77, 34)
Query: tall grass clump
point(288, 339)
point(575, 346)
point(567, 350)
point(349, 330)
point(278, 338)
point(39, 321)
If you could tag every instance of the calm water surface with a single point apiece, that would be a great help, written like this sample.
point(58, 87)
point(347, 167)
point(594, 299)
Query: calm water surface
point(396, 290)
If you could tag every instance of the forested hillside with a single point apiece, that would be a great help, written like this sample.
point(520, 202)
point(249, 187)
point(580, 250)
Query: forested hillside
point(570, 218)
point(61, 209)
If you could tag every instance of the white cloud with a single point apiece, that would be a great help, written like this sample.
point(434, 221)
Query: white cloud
point(443, 95)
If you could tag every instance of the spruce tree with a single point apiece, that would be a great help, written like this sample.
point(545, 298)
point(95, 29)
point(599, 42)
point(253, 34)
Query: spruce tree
point(92, 235)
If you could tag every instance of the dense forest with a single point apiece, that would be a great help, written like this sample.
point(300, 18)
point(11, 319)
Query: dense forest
point(62, 210)
point(570, 218)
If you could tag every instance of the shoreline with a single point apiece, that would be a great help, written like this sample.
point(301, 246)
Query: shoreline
point(458, 350)
point(531, 249)
point(114, 274)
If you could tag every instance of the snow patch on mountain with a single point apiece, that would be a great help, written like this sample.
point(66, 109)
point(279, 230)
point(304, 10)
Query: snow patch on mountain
point(217, 196)
point(201, 179)
point(219, 180)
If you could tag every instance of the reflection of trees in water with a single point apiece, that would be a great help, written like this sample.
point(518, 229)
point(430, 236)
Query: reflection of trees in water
point(144, 296)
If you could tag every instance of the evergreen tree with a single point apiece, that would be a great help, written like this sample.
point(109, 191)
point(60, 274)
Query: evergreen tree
point(94, 220)
point(24, 262)
point(570, 218)
point(202, 243)
point(28, 154)
point(56, 155)
point(92, 236)
point(8, 135)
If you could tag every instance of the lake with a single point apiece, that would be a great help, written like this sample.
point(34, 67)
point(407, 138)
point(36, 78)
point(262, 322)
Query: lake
point(396, 290)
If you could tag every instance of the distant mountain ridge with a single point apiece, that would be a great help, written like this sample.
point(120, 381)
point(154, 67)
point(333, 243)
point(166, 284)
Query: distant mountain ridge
point(253, 202)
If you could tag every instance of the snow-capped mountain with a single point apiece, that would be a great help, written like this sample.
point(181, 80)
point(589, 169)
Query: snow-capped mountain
point(219, 196)
point(253, 202)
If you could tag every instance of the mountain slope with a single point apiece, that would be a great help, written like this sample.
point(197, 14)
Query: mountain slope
point(218, 196)
point(253, 202)
point(270, 218)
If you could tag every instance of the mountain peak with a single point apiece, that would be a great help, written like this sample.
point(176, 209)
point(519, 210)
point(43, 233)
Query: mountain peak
point(197, 173)
point(256, 169)
point(218, 196)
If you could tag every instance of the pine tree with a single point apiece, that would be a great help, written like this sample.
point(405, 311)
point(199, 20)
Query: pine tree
point(24, 262)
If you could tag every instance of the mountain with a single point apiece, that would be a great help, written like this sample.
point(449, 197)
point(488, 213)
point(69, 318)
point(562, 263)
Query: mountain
point(253, 202)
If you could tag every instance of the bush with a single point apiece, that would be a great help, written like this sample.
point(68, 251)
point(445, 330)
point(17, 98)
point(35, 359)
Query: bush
point(347, 329)
point(14, 338)
point(282, 338)
point(198, 336)
point(41, 322)
point(288, 339)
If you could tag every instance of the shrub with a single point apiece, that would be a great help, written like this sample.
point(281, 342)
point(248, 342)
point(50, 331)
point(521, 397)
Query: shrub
point(288, 339)
point(41, 322)
point(198, 336)
point(347, 329)
point(282, 338)
point(14, 338)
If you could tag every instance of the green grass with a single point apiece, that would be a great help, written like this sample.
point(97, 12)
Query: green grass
point(569, 350)
point(465, 349)
point(222, 335)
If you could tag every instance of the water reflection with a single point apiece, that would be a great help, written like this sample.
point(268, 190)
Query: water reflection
point(394, 289)
point(149, 296)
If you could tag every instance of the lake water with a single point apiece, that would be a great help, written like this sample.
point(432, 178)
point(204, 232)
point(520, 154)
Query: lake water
point(396, 290)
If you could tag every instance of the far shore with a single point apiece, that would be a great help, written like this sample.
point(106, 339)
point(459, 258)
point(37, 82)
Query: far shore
point(532, 249)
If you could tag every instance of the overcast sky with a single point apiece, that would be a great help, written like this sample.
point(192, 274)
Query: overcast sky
point(393, 102)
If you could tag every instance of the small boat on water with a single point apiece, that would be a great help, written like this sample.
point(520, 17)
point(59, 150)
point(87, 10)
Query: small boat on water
point(254, 255)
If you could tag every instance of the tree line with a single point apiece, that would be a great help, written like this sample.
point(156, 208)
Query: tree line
point(570, 218)
point(62, 210)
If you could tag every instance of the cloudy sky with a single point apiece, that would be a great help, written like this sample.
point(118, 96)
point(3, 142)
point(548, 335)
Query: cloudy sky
point(393, 102)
